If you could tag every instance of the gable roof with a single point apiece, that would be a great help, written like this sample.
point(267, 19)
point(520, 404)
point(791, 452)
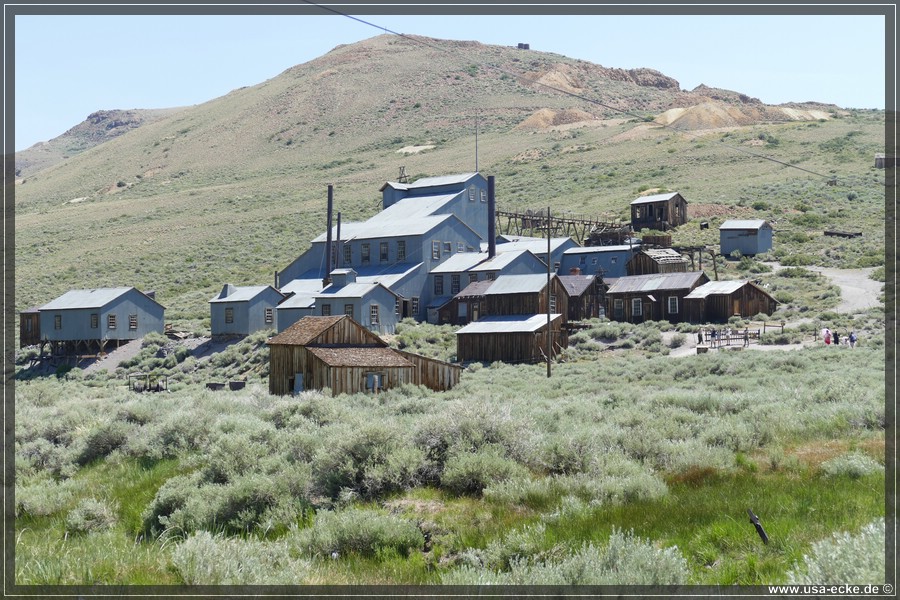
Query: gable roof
point(92, 298)
point(359, 356)
point(595, 249)
point(508, 324)
point(576, 285)
point(426, 182)
point(534, 244)
point(664, 256)
point(655, 281)
point(305, 330)
point(713, 288)
point(352, 290)
point(474, 289)
point(655, 198)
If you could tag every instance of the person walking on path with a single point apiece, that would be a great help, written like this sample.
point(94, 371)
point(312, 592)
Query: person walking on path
point(852, 339)
point(826, 335)
point(746, 338)
point(837, 338)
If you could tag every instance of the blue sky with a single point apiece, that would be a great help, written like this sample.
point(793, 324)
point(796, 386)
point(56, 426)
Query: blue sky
point(67, 67)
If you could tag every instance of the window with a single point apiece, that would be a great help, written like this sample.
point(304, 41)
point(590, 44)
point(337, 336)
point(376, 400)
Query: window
point(373, 314)
point(438, 285)
point(484, 195)
point(556, 266)
point(397, 307)
point(490, 276)
point(401, 250)
point(618, 308)
point(415, 305)
point(364, 253)
point(673, 305)
point(57, 321)
point(348, 310)
point(229, 315)
point(374, 381)
point(448, 247)
point(326, 310)
point(553, 303)
point(95, 321)
point(348, 255)
point(582, 260)
point(613, 260)
point(132, 322)
point(383, 251)
point(471, 193)
point(111, 321)
point(460, 246)
point(636, 307)
point(436, 250)
point(473, 277)
point(454, 283)
point(270, 314)
point(594, 260)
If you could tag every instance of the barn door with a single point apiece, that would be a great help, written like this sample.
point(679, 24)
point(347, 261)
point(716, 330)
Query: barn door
point(736, 307)
point(298, 383)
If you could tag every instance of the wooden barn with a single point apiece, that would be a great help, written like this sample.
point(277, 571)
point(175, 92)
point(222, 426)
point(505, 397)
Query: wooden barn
point(584, 296)
point(656, 260)
point(466, 306)
point(339, 354)
point(659, 211)
point(657, 297)
point(511, 339)
point(526, 295)
point(716, 301)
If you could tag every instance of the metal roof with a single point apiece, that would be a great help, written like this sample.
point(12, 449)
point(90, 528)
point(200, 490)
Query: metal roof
point(532, 244)
point(508, 324)
point(93, 298)
point(303, 285)
point(716, 287)
point(431, 181)
point(397, 226)
point(351, 290)
point(654, 282)
point(517, 284)
point(594, 249)
point(299, 300)
point(476, 288)
point(654, 198)
point(242, 294)
point(743, 224)
point(460, 262)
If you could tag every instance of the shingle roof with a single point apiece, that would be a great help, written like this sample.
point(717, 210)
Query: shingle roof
point(654, 198)
point(576, 285)
point(508, 324)
point(656, 281)
point(305, 330)
point(359, 356)
point(93, 298)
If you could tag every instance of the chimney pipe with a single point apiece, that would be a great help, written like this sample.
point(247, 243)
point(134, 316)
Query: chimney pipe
point(340, 244)
point(327, 278)
point(492, 219)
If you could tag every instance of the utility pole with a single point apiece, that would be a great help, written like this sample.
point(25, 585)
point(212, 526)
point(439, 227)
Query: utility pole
point(549, 262)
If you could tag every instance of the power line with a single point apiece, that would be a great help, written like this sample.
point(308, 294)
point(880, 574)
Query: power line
point(420, 41)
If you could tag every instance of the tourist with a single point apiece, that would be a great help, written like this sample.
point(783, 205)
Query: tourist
point(852, 339)
point(826, 335)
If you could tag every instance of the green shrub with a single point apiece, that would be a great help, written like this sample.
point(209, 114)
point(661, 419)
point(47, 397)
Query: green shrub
point(90, 515)
point(845, 558)
point(471, 472)
point(852, 464)
point(358, 531)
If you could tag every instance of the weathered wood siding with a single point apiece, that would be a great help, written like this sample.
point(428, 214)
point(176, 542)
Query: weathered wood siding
point(352, 380)
point(534, 303)
point(746, 302)
point(434, 374)
point(643, 264)
point(29, 328)
point(526, 347)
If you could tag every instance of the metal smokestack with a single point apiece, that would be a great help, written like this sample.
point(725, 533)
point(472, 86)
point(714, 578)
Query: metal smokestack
point(340, 246)
point(327, 278)
point(492, 219)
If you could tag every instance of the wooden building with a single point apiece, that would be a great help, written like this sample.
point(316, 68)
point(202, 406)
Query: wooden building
point(511, 339)
point(584, 296)
point(659, 211)
point(656, 260)
point(658, 297)
point(29, 327)
point(526, 295)
point(749, 237)
point(466, 306)
point(716, 301)
point(339, 354)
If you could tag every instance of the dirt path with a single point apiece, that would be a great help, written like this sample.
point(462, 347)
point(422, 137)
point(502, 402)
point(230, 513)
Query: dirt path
point(858, 291)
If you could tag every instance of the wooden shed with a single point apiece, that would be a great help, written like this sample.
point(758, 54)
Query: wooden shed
point(511, 339)
point(657, 260)
point(339, 354)
point(584, 296)
point(467, 306)
point(526, 295)
point(29, 327)
point(659, 211)
point(658, 297)
point(716, 301)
